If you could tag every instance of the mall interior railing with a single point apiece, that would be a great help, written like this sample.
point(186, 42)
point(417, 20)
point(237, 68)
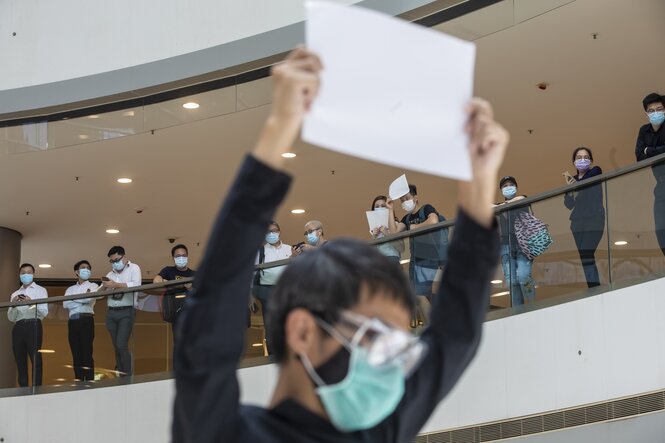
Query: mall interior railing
point(612, 244)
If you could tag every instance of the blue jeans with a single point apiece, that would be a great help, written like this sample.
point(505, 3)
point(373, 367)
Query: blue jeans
point(517, 272)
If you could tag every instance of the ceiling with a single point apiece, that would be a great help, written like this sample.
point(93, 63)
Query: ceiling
point(182, 171)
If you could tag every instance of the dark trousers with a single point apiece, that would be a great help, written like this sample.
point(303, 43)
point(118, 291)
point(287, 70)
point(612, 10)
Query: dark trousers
point(81, 335)
point(120, 324)
point(262, 294)
point(659, 215)
point(587, 234)
point(26, 340)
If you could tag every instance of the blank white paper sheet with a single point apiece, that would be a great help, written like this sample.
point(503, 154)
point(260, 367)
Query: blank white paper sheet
point(391, 91)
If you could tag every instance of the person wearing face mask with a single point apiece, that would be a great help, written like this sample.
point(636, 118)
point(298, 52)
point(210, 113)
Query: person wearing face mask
point(349, 368)
point(515, 265)
point(314, 237)
point(27, 331)
point(650, 143)
point(393, 250)
point(428, 252)
point(587, 216)
point(265, 279)
point(81, 324)
point(174, 297)
point(121, 314)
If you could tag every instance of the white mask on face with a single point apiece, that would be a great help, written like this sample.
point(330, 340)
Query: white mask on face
point(408, 205)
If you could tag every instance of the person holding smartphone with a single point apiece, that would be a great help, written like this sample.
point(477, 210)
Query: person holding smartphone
point(27, 331)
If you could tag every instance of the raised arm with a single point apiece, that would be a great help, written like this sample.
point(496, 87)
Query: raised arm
point(459, 307)
point(212, 329)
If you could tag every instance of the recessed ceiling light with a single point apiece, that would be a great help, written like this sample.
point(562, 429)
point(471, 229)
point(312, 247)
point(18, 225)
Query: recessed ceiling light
point(93, 116)
point(112, 231)
point(46, 351)
point(499, 294)
point(60, 379)
point(297, 211)
point(190, 105)
point(621, 243)
point(496, 282)
point(128, 114)
point(45, 266)
point(289, 155)
point(124, 180)
point(83, 137)
point(256, 345)
point(405, 261)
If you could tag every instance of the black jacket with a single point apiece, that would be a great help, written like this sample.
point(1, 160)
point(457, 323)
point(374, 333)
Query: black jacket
point(212, 330)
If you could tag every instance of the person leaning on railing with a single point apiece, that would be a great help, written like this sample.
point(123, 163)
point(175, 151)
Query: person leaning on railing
point(349, 368)
point(81, 323)
point(121, 313)
point(393, 250)
point(651, 142)
point(515, 264)
point(587, 216)
point(173, 298)
point(27, 331)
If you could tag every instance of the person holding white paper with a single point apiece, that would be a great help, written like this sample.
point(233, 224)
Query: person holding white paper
point(393, 250)
point(349, 368)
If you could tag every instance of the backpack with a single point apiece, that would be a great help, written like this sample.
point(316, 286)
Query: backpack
point(431, 247)
point(533, 235)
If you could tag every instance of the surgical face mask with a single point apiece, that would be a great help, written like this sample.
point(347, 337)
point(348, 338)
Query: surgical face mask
point(118, 265)
point(657, 118)
point(509, 191)
point(272, 237)
point(180, 262)
point(582, 164)
point(26, 279)
point(380, 359)
point(84, 273)
point(408, 205)
point(313, 238)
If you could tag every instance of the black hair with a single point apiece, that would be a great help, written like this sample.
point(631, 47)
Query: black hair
point(273, 222)
point(329, 279)
point(25, 265)
point(82, 262)
point(116, 250)
point(413, 190)
point(507, 178)
point(179, 246)
point(579, 149)
point(376, 199)
point(653, 98)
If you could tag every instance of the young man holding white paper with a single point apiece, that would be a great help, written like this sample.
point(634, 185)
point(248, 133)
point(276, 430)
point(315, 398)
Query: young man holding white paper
point(349, 370)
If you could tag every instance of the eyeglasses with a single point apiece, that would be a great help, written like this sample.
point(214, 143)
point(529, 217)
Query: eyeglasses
point(116, 260)
point(384, 344)
point(274, 231)
point(658, 109)
point(309, 231)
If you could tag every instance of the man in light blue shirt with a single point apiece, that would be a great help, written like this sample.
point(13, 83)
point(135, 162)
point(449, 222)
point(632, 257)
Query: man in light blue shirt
point(27, 330)
point(81, 324)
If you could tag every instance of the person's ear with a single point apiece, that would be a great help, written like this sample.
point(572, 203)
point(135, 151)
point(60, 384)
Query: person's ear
point(301, 332)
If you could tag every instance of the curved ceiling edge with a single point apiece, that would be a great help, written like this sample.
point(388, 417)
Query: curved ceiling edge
point(200, 71)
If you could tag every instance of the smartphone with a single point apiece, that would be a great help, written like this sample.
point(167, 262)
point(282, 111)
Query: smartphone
point(106, 279)
point(21, 296)
point(567, 177)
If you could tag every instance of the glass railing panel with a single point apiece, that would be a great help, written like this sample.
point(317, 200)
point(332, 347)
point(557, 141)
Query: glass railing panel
point(636, 205)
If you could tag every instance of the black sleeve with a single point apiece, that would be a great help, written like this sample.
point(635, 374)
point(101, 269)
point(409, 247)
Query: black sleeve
point(457, 316)
point(569, 200)
point(164, 273)
point(213, 322)
point(429, 209)
point(640, 145)
point(596, 170)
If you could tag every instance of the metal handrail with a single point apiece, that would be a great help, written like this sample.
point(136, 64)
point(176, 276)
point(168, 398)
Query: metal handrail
point(98, 294)
point(499, 209)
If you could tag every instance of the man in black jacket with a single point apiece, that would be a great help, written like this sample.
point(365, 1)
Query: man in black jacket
point(349, 368)
point(650, 143)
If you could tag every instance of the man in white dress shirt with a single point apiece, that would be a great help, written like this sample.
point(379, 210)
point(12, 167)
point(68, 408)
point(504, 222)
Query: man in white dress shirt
point(266, 279)
point(81, 324)
point(27, 330)
point(121, 314)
